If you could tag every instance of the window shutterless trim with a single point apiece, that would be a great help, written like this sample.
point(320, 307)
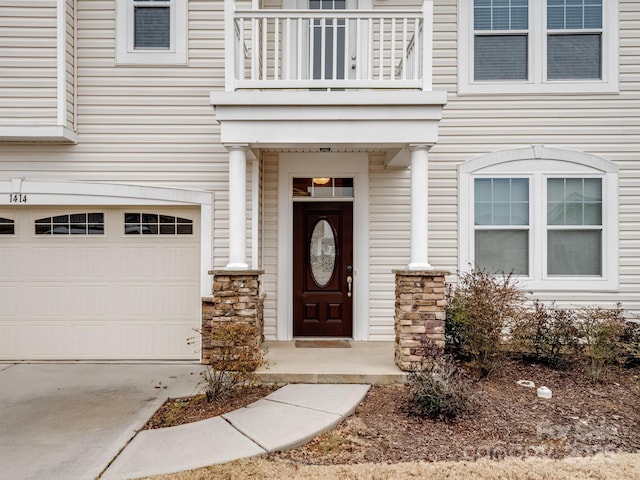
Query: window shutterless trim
point(541, 163)
point(126, 54)
point(537, 37)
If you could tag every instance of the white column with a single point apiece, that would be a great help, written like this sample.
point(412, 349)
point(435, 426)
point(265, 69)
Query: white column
point(237, 207)
point(419, 207)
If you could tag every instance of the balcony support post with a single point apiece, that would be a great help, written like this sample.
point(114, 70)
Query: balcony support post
point(419, 207)
point(237, 207)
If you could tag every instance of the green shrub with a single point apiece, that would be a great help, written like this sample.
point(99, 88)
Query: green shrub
point(438, 388)
point(481, 308)
point(600, 331)
point(630, 345)
point(236, 355)
point(546, 334)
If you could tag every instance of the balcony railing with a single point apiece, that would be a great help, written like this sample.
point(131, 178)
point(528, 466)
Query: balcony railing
point(328, 49)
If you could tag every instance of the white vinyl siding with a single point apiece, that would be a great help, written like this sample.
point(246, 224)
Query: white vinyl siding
point(28, 69)
point(269, 250)
point(605, 125)
point(389, 242)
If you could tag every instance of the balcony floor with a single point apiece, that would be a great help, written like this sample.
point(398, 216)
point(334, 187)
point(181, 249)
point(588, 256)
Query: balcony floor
point(364, 362)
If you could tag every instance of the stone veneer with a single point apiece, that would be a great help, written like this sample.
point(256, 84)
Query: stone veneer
point(420, 312)
point(236, 298)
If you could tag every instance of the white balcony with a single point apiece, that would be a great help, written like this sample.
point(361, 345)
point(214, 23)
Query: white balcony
point(328, 49)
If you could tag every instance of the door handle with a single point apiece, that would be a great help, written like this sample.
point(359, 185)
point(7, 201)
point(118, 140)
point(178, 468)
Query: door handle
point(349, 282)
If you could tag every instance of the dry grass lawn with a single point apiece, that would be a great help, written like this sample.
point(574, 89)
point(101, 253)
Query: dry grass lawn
point(600, 467)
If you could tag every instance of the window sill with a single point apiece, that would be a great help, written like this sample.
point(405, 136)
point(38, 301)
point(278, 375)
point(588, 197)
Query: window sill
point(529, 88)
point(570, 284)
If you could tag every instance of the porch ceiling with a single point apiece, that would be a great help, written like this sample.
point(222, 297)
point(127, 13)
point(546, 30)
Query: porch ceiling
point(382, 121)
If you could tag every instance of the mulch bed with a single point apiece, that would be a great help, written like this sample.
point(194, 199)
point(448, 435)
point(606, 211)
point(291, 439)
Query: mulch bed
point(509, 420)
point(177, 411)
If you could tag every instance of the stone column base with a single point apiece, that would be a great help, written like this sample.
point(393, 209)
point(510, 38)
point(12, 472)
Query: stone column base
point(236, 298)
point(419, 314)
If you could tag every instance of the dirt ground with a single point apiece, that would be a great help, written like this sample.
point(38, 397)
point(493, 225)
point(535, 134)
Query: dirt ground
point(510, 422)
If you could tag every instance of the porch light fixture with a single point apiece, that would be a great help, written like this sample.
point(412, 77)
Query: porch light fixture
point(321, 181)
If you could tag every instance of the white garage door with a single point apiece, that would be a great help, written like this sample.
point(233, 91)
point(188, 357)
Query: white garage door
point(99, 283)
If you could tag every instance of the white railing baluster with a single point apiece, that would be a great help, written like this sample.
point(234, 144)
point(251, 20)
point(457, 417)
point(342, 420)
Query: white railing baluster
point(404, 49)
point(254, 48)
point(392, 70)
point(323, 47)
point(263, 48)
point(414, 50)
point(370, 50)
point(276, 50)
point(347, 48)
point(299, 50)
point(334, 64)
point(358, 48)
point(381, 51)
point(286, 50)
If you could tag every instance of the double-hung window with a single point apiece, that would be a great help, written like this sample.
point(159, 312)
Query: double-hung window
point(151, 32)
point(550, 221)
point(538, 46)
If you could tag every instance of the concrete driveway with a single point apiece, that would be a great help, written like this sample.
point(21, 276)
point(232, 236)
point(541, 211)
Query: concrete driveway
point(68, 421)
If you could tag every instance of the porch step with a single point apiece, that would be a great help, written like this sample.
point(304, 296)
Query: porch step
point(364, 362)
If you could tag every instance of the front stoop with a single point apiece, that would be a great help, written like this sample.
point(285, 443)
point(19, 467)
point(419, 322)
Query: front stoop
point(364, 362)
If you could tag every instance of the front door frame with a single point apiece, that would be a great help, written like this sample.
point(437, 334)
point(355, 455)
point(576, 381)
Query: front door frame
point(355, 165)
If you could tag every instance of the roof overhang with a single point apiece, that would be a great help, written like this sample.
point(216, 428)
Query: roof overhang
point(387, 120)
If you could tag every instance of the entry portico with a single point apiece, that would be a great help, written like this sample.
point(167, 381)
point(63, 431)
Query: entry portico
point(322, 133)
point(316, 95)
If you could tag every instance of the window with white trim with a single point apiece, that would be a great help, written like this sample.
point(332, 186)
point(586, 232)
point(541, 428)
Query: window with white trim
point(71, 224)
point(550, 221)
point(136, 223)
point(151, 32)
point(538, 46)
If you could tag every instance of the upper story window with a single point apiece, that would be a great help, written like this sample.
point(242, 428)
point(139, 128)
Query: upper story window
point(151, 32)
point(538, 46)
point(547, 215)
point(71, 224)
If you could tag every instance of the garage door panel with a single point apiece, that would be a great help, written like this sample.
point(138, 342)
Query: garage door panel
point(138, 262)
point(46, 302)
point(87, 262)
point(8, 262)
point(86, 302)
point(111, 296)
point(9, 302)
point(177, 302)
point(48, 262)
point(174, 262)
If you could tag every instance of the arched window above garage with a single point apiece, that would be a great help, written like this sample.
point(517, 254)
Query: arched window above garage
point(137, 223)
point(71, 224)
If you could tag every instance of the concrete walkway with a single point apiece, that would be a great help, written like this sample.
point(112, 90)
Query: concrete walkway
point(289, 417)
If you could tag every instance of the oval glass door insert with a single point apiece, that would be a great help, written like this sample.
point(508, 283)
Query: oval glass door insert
point(322, 253)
